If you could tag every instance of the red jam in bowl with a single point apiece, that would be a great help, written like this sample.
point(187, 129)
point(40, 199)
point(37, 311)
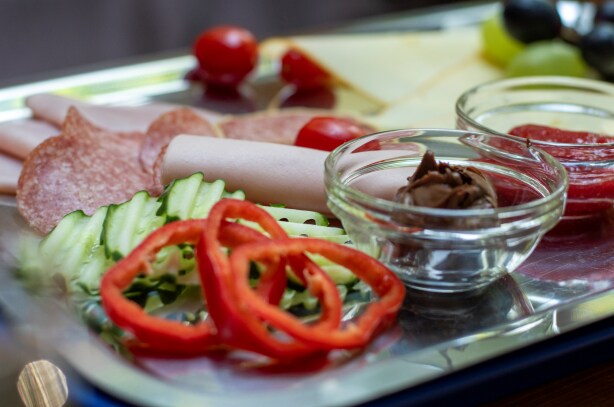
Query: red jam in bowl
point(589, 161)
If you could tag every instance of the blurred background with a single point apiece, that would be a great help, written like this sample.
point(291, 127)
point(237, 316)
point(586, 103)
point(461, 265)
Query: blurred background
point(50, 37)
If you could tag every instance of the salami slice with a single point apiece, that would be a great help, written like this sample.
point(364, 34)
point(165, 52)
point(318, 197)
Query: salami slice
point(279, 126)
point(18, 138)
point(169, 125)
point(83, 168)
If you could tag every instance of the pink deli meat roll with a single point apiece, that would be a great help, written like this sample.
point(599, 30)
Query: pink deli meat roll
point(267, 173)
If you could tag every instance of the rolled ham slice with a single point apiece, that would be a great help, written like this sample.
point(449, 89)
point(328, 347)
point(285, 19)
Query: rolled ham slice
point(267, 173)
point(53, 109)
point(18, 138)
point(9, 174)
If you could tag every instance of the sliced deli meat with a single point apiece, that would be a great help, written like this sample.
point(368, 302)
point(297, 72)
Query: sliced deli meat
point(167, 126)
point(53, 109)
point(18, 138)
point(82, 169)
point(9, 174)
point(267, 173)
point(279, 126)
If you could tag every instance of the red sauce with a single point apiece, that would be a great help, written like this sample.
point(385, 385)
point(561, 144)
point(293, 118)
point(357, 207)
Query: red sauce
point(590, 166)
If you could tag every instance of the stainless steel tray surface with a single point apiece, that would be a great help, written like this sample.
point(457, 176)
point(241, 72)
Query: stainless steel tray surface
point(566, 283)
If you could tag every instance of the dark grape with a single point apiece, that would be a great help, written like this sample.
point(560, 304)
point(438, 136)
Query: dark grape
point(605, 12)
point(598, 48)
point(531, 20)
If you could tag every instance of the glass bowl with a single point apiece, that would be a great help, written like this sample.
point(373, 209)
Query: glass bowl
point(444, 250)
point(562, 102)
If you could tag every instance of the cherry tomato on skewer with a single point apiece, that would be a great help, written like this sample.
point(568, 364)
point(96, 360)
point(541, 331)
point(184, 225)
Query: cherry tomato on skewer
point(226, 55)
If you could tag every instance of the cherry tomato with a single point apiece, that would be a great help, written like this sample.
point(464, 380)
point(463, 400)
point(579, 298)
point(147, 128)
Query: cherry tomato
point(226, 55)
point(328, 133)
point(302, 72)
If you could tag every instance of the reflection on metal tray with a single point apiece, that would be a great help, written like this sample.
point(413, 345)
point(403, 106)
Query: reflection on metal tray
point(567, 283)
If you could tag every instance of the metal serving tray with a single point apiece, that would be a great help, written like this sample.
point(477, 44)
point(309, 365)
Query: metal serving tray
point(567, 283)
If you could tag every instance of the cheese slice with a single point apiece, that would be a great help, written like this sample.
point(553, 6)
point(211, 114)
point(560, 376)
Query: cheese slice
point(433, 103)
point(390, 67)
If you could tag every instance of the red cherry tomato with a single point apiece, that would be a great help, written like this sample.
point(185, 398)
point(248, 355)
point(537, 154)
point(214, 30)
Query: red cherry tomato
point(328, 133)
point(302, 72)
point(226, 55)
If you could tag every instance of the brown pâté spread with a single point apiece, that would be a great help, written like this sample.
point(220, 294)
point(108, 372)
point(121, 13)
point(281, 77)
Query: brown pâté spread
point(440, 185)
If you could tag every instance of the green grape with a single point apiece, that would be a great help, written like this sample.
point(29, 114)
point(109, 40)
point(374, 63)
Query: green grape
point(498, 46)
point(548, 58)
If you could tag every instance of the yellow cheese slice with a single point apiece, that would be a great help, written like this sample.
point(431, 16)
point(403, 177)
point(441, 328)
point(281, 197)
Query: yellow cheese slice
point(392, 66)
point(411, 79)
point(433, 104)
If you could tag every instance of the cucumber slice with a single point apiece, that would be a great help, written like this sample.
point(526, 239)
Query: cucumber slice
point(71, 244)
point(91, 272)
point(179, 198)
point(307, 230)
point(65, 231)
point(128, 223)
point(339, 274)
point(296, 215)
point(192, 197)
point(302, 229)
point(238, 194)
point(80, 250)
point(208, 194)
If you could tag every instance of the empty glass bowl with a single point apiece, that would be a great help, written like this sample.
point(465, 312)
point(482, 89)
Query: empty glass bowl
point(445, 250)
point(566, 103)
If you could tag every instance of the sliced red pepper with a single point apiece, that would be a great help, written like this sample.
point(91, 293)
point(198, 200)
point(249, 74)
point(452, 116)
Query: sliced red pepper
point(237, 325)
point(378, 315)
point(156, 333)
point(242, 316)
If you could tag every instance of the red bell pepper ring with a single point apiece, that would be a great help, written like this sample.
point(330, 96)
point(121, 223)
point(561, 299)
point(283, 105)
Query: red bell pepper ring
point(378, 315)
point(156, 333)
point(242, 317)
point(237, 325)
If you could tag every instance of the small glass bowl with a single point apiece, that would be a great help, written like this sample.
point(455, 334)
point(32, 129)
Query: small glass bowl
point(444, 250)
point(562, 102)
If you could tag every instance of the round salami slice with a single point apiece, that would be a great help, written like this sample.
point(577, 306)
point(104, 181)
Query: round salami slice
point(280, 126)
point(83, 168)
point(169, 125)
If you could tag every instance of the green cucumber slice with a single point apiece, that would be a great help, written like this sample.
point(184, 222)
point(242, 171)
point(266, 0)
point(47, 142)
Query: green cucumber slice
point(296, 215)
point(208, 194)
point(238, 194)
point(302, 229)
point(307, 230)
point(80, 250)
point(128, 223)
point(71, 245)
point(179, 198)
